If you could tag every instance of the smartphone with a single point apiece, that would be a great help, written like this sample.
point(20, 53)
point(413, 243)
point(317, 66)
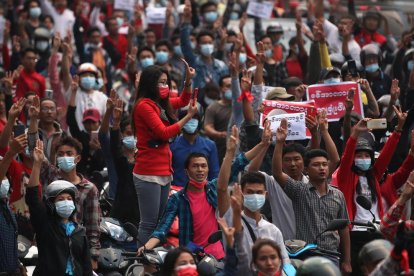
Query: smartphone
point(352, 68)
point(377, 123)
point(94, 135)
point(49, 93)
point(18, 130)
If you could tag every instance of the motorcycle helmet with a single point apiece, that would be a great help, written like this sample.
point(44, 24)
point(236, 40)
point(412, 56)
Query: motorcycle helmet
point(318, 266)
point(364, 145)
point(368, 50)
point(88, 67)
point(56, 188)
point(372, 14)
point(374, 251)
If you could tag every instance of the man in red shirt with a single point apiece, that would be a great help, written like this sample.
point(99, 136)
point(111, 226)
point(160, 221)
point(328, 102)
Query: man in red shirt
point(30, 80)
point(115, 44)
point(369, 33)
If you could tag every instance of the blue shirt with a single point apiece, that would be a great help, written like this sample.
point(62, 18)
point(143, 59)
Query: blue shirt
point(69, 228)
point(8, 239)
point(204, 72)
point(181, 148)
point(178, 204)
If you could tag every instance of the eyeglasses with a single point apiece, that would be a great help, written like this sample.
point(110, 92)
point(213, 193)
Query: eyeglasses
point(47, 109)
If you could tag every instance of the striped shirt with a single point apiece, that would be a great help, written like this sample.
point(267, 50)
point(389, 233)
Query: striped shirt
point(313, 212)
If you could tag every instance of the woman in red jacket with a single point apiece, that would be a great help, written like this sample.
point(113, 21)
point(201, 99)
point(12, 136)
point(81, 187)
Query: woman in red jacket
point(358, 174)
point(154, 125)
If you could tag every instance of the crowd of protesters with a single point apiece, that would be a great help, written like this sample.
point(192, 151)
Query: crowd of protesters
point(87, 87)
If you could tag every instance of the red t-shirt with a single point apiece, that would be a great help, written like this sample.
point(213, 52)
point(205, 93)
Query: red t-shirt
point(294, 69)
point(30, 82)
point(122, 46)
point(204, 223)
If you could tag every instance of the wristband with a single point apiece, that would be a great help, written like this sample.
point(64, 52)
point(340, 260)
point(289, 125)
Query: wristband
point(245, 95)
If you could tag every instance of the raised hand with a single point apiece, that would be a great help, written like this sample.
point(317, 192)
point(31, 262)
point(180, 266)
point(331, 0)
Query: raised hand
point(267, 134)
point(132, 56)
point(242, 22)
point(237, 199)
point(227, 231)
point(18, 144)
point(189, 71)
point(111, 101)
point(402, 116)
point(318, 32)
point(323, 120)
point(233, 64)
point(364, 85)
point(395, 90)
point(312, 124)
point(75, 84)
point(260, 56)
point(192, 108)
point(233, 140)
point(17, 108)
point(38, 154)
point(34, 109)
point(16, 46)
point(187, 14)
point(360, 127)
point(282, 130)
point(246, 81)
point(57, 41)
point(137, 79)
point(349, 101)
point(117, 112)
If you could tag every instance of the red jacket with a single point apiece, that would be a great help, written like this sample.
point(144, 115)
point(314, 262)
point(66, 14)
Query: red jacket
point(395, 180)
point(364, 37)
point(30, 82)
point(347, 180)
point(154, 155)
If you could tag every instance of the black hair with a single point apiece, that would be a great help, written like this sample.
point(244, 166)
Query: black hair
point(314, 153)
point(206, 5)
point(28, 50)
point(124, 123)
point(46, 16)
point(231, 33)
point(30, 93)
point(91, 30)
point(252, 177)
point(48, 99)
point(149, 30)
point(263, 242)
point(293, 41)
point(148, 88)
point(109, 19)
point(27, 4)
point(145, 48)
point(295, 147)
point(71, 142)
point(221, 80)
point(164, 42)
point(204, 33)
point(194, 155)
point(264, 36)
point(171, 258)
point(174, 37)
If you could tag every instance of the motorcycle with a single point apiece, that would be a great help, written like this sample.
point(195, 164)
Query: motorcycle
point(116, 238)
point(27, 253)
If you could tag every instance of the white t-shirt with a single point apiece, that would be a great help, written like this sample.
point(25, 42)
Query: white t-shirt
point(335, 42)
point(361, 214)
point(63, 22)
point(85, 101)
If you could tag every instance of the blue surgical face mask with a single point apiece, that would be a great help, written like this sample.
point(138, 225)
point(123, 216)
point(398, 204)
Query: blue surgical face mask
point(268, 53)
point(42, 45)
point(145, 62)
point(410, 65)
point(234, 16)
point(129, 142)
point(227, 47)
point(208, 100)
point(66, 163)
point(210, 17)
point(193, 45)
point(161, 57)
point(177, 50)
point(65, 208)
point(191, 126)
point(207, 49)
point(120, 21)
point(4, 188)
point(35, 12)
point(332, 80)
point(254, 202)
point(99, 84)
point(228, 95)
point(88, 82)
point(242, 58)
point(372, 68)
point(27, 151)
point(363, 164)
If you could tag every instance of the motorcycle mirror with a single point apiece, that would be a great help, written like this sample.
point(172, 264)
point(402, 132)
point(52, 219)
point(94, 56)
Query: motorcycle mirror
point(215, 237)
point(364, 202)
point(337, 224)
point(131, 229)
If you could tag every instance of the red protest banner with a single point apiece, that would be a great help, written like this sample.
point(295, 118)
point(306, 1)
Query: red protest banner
point(332, 98)
point(308, 108)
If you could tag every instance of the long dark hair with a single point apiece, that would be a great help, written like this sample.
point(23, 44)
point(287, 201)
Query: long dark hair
point(369, 174)
point(259, 244)
point(148, 88)
point(171, 258)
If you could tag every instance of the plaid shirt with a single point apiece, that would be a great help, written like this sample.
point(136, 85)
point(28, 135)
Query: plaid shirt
point(178, 204)
point(391, 219)
point(8, 239)
point(88, 212)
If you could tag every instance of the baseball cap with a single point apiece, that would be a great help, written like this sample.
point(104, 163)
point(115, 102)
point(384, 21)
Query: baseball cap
point(91, 114)
point(326, 71)
point(279, 93)
point(274, 29)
